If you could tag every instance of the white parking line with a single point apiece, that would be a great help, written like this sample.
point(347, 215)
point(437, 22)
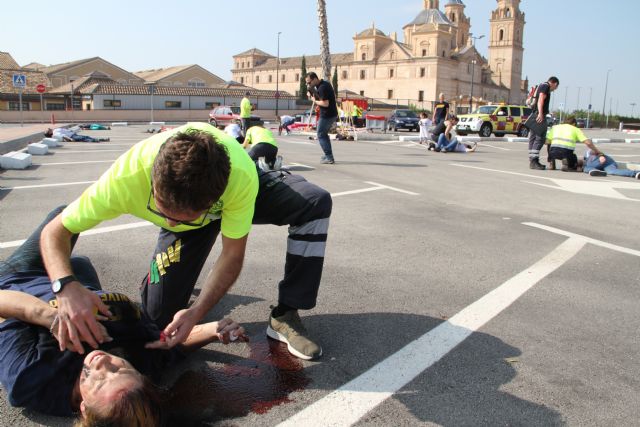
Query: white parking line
point(24, 187)
point(493, 146)
point(73, 163)
point(348, 404)
point(90, 151)
point(101, 230)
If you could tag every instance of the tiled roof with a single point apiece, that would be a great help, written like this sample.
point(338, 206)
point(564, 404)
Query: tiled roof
point(34, 78)
point(93, 88)
point(312, 61)
point(253, 51)
point(161, 73)
point(371, 32)
point(7, 61)
point(58, 67)
point(34, 66)
point(430, 16)
point(81, 84)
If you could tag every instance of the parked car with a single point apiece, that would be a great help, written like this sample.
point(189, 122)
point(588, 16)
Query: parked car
point(224, 115)
point(498, 119)
point(581, 123)
point(403, 119)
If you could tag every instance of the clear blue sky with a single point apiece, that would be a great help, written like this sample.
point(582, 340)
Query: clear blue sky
point(577, 40)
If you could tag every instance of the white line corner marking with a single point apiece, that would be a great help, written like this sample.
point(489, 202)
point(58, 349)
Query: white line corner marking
point(349, 403)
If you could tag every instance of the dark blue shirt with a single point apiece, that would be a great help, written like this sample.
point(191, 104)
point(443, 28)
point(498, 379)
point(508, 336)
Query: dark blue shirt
point(37, 375)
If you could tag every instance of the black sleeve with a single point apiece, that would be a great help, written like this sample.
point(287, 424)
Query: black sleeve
point(544, 88)
point(322, 93)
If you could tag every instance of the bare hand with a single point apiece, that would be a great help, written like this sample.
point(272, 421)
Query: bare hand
point(227, 330)
point(540, 118)
point(78, 323)
point(179, 329)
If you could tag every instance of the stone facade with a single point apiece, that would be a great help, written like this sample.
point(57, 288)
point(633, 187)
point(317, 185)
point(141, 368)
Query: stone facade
point(436, 55)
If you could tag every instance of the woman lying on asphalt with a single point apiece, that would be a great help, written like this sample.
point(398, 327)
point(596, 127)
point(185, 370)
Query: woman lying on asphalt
point(102, 387)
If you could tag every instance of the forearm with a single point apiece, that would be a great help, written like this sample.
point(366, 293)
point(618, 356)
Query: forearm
point(324, 103)
point(55, 244)
point(592, 146)
point(25, 307)
point(200, 336)
point(541, 104)
point(220, 279)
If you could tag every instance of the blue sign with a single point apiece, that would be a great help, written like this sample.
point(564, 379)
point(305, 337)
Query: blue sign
point(19, 80)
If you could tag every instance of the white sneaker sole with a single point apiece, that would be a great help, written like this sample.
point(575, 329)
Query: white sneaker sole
point(271, 333)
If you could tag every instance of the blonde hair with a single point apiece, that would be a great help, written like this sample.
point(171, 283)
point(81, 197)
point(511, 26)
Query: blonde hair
point(139, 407)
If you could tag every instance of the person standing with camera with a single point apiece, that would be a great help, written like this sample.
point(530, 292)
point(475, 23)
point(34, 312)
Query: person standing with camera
point(325, 98)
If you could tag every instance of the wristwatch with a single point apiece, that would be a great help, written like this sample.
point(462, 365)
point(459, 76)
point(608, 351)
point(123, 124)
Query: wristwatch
point(58, 284)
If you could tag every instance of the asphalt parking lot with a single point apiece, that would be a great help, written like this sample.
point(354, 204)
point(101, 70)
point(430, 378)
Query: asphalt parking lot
point(458, 289)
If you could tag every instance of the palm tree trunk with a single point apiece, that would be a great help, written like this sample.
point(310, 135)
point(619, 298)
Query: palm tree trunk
point(325, 55)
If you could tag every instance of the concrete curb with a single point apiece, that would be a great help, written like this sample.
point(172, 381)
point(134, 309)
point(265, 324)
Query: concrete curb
point(20, 143)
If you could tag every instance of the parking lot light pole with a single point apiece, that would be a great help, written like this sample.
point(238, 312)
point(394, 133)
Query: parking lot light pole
point(633, 107)
point(606, 86)
point(278, 75)
point(473, 71)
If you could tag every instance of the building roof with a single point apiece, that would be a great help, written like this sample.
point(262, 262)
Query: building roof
point(253, 51)
point(34, 78)
point(312, 61)
point(93, 87)
point(34, 66)
point(162, 73)
point(455, 2)
point(430, 16)
point(369, 32)
point(7, 61)
point(79, 85)
point(59, 67)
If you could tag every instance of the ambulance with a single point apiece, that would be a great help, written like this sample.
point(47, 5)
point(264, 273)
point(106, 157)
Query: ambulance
point(497, 119)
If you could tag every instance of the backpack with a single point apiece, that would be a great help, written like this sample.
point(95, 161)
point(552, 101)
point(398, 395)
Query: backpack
point(532, 97)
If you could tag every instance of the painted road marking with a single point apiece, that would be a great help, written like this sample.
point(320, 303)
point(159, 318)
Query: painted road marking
point(600, 188)
point(493, 146)
point(89, 151)
point(74, 163)
point(24, 187)
point(349, 403)
point(101, 230)
point(585, 238)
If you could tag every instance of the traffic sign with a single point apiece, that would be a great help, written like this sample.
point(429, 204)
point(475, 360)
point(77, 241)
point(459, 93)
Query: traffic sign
point(41, 88)
point(19, 80)
point(589, 106)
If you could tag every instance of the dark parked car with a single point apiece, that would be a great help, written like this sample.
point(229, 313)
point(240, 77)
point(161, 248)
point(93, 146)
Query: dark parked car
point(403, 119)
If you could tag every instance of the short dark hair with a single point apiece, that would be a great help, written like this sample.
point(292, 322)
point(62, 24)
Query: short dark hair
point(191, 171)
point(312, 75)
point(571, 121)
point(554, 80)
point(247, 93)
point(48, 133)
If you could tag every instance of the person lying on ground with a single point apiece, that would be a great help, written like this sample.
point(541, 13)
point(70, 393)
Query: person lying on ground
point(71, 136)
point(599, 164)
point(102, 387)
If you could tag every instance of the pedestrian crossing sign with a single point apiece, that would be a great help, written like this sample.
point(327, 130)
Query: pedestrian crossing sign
point(19, 80)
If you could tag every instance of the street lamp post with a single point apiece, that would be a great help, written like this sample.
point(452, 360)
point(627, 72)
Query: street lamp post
point(278, 75)
point(633, 107)
point(578, 102)
point(606, 86)
point(473, 71)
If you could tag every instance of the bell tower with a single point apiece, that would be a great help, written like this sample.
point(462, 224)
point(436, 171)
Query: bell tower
point(505, 47)
point(431, 4)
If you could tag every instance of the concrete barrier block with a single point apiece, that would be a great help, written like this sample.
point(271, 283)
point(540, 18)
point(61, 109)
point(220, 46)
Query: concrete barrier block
point(119, 124)
point(37, 149)
point(50, 142)
point(408, 138)
point(470, 139)
point(157, 123)
point(57, 137)
point(15, 160)
point(632, 141)
point(601, 140)
point(517, 139)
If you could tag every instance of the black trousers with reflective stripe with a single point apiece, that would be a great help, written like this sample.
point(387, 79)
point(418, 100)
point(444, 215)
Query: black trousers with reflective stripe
point(283, 199)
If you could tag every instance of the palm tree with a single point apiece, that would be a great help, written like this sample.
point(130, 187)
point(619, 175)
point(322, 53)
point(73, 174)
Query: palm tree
point(325, 55)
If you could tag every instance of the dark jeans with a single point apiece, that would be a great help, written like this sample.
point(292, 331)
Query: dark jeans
point(324, 124)
point(536, 141)
point(268, 151)
point(283, 199)
point(27, 258)
point(244, 124)
point(83, 138)
point(559, 153)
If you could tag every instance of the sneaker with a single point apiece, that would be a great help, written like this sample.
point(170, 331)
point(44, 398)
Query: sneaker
point(638, 175)
point(552, 165)
point(289, 329)
point(327, 161)
point(535, 164)
point(278, 163)
point(597, 172)
point(262, 164)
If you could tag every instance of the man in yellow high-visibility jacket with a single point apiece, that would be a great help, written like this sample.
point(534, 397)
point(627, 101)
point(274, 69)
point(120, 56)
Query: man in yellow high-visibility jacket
point(245, 112)
point(563, 139)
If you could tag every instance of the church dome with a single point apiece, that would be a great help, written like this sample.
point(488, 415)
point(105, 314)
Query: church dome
point(430, 16)
point(450, 2)
point(371, 32)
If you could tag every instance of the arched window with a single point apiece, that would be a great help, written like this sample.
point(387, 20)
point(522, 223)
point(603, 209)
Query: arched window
point(362, 75)
point(453, 17)
point(501, 35)
point(344, 75)
point(364, 56)
point(508, 13)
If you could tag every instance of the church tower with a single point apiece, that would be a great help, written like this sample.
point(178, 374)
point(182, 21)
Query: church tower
point(454, 10)
point(431, 4)
point(505, 47)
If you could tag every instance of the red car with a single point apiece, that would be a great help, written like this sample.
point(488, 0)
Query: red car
point(224, 115)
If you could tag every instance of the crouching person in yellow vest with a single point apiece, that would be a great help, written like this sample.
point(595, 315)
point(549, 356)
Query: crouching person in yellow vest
point(263, 144)
point(562, 139)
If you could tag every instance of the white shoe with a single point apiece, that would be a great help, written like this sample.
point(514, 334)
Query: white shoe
point(262, 164)
point(278, 163)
